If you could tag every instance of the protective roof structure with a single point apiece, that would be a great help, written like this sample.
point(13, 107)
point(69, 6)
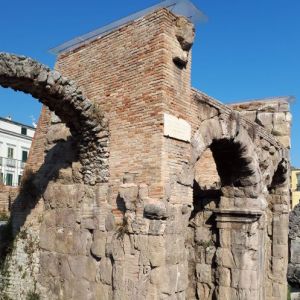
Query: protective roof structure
point(178, 7)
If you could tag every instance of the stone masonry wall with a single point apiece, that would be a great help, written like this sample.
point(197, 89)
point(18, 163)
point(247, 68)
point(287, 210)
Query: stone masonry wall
point(275, 117)
point(273, 114)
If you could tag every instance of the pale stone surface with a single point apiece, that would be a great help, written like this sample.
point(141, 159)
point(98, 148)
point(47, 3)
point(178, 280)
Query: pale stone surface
point(177, 128)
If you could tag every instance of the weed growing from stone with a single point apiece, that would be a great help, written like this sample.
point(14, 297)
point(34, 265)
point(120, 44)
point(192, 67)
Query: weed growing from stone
point(33, 296)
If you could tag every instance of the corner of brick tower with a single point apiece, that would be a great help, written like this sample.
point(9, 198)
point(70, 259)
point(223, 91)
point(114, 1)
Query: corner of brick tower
point(131, 74)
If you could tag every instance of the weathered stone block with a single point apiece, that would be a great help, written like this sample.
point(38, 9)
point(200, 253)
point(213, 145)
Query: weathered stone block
point(225, 238)
point(129, 193)
point(47, 238)
point(66, 217)
point(57, 132)
point(164, 278)
point(202, 235)
point(209, 254)
point(155, 209)
point(175, 249)
point(59, 196)
point(183, 281)
point(204, 273)
point(185, 33)
point(83, 266)
point(224, 258)
point(98, 245)
point(70, 241)
point(205, 291)
point(105, 271)
point(281, 251)
point(49, 264)
point(157, 227)
point(223, 277)
point(278, 266)
point(156, 250)
point(244, 279)
point(265, 119)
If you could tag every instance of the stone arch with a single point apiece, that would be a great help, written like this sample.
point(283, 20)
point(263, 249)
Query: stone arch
point(86, 122)
point(227, 133)
point(230, 211)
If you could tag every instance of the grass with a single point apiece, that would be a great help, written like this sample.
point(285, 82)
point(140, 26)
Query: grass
point(4, 216)
point(33, 296)
point(289, 293)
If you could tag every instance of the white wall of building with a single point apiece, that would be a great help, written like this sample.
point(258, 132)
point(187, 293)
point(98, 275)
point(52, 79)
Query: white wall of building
point(12, 136)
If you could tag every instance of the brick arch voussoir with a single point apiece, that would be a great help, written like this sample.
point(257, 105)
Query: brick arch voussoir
point(227, 128)
point(63, 97)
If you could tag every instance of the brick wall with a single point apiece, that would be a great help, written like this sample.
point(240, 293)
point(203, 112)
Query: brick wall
point(135, 85)
point(37, 149)
point(7, 196)
point(126, 72)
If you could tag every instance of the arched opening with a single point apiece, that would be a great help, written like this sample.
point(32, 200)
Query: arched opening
point(224, 167)
point(83, 141)
point(202, 234)
point(18, 118)
point(86, 122)
point(18, 121)
point(71, 143)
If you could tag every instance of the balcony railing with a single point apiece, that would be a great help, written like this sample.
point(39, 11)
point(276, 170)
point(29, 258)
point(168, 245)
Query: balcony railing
point(11, 169)
point(11, 163)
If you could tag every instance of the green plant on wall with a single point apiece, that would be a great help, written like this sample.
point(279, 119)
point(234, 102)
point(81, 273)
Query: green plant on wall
point(4, 216)
point(206, 244)
point(4, 297)
point(122, 229)
point(33, 296)
point(289, 293)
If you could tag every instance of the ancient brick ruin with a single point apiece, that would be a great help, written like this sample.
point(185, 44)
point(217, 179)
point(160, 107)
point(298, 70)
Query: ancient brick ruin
point(143, 187)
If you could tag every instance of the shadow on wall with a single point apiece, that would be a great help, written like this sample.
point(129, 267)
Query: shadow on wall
point(293, 275)
point(33, 185)
point(232, 164)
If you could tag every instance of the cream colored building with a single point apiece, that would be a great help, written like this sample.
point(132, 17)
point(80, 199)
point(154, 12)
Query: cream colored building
point(15, 142)
point(295, 187)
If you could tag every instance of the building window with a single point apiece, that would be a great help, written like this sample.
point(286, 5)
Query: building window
point(23, 130)
point(298, 181)
point(10, 152)
point(24, 155)
point(9, 179)
point(19, 179)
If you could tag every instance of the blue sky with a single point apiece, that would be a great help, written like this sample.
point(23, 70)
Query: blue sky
point(247, 49)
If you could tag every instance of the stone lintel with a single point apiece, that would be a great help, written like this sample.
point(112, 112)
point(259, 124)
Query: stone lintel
point(237, 215)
